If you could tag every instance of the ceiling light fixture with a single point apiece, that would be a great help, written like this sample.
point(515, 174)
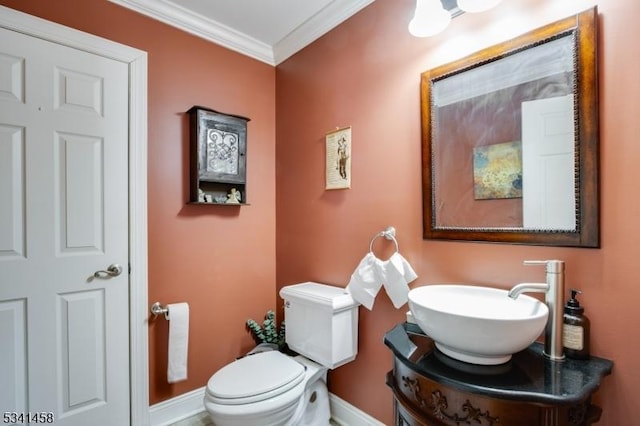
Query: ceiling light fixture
point(433, 16)
point(473, 6)
point(429, 19)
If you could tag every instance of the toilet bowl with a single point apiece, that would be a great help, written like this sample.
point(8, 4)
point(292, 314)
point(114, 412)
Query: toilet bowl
point(269, 389)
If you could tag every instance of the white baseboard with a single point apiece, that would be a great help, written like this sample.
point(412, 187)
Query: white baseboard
point(346, 414)
point(179, 408)
point(191, 404)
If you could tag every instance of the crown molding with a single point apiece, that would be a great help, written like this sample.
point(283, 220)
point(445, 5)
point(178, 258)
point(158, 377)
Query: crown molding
point(202, 27)
point(317, 25)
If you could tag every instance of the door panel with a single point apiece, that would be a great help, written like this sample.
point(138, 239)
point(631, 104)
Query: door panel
point(81, 327)
point(63, 174)
point(12, 77)
point(80, 191)
point(13, 368)
point(12, 238)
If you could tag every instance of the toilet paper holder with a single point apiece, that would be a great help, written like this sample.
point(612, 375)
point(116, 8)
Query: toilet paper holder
point(157, 309)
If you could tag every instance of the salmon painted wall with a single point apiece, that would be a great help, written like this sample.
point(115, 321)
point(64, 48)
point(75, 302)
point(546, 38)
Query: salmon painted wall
point(197, 254)
point(365, 74)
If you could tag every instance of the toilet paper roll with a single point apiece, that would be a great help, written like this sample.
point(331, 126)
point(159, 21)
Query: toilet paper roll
point(178, 317)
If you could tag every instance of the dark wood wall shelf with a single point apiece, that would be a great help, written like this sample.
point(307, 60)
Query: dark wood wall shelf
point(204, 203)
point(218, 157)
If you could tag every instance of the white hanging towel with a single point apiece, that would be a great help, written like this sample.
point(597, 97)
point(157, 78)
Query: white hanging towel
point(372, 273)
point(178, 317)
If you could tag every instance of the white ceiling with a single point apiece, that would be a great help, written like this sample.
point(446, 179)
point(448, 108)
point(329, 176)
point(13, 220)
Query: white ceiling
point(267, 30)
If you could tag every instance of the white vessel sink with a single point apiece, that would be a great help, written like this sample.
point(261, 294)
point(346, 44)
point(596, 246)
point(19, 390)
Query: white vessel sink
point(479, 325)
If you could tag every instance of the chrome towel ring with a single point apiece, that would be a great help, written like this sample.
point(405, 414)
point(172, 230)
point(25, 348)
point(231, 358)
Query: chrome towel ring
point(389, 233)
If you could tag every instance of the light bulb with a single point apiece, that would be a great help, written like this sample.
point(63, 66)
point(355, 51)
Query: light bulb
point(429, 19)
point(473, 6)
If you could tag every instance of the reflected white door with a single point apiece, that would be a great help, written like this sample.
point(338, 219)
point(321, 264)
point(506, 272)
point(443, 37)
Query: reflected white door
point(64, 335)
point(548, 183)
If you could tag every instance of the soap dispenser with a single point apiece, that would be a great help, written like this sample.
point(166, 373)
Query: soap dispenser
point(575, 330)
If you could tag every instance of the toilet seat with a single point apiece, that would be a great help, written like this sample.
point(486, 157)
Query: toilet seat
point(255, 378)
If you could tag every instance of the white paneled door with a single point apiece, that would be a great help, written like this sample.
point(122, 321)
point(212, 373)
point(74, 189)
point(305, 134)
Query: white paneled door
point(548, 164)
point(64, 333)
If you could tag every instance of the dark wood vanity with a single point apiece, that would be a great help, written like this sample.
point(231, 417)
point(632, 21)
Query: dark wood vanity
point(433, 389)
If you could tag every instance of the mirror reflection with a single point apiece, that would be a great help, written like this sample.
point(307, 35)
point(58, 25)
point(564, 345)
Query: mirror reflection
point(519, 168)
point(510, 138)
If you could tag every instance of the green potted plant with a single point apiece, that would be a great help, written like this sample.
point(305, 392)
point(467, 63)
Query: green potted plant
point(268, 334)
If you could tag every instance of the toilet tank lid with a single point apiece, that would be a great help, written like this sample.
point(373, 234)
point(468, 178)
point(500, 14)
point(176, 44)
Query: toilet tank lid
point(331, 297)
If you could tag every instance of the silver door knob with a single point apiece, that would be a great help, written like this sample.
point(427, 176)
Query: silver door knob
point(113, 270)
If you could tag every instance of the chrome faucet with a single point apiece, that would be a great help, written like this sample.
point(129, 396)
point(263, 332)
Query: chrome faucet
point(554, 293)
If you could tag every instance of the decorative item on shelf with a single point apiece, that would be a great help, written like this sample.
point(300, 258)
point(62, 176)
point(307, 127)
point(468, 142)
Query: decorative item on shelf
point(218, 156)
point(203, 197)
point(268, 332)
point(234, 197)
point(338, 158)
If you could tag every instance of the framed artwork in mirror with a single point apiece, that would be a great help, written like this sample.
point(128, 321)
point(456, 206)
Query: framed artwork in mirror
point(510, 140)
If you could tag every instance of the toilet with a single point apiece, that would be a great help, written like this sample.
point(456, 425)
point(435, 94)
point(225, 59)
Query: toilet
point(270, 388)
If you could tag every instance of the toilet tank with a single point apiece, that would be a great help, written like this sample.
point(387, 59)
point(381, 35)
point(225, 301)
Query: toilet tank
point(321, 323)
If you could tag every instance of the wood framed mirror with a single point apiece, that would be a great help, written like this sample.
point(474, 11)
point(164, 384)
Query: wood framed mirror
point(510, 140)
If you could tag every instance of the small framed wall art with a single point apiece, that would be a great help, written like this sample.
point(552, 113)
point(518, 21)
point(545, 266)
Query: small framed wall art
point(338, 159)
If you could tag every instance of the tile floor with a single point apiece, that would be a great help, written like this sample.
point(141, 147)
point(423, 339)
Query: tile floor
point(202, 419)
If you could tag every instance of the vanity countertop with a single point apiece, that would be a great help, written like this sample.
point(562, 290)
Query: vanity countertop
point(527, 376)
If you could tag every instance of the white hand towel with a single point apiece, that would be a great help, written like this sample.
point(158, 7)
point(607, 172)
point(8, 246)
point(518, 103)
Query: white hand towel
point(397, 276)
point(365, 281)
point(372, 273)
point(178, 317)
